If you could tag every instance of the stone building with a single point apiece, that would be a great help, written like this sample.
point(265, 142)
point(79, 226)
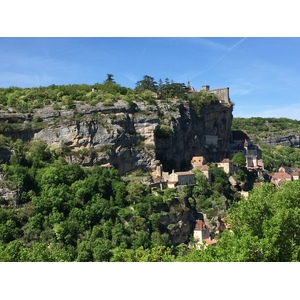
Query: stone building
point(278, 178)
point(198, 163)
point(180, 178)
point(227, 165)
point(221, 93)
point(285, 174)
point(202, 235)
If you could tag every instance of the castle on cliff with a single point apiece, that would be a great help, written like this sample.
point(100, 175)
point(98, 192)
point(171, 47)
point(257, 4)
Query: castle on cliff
point(221, 93)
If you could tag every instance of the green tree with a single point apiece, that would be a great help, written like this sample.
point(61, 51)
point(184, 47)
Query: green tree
point(135, 192)
point(141, 254)
point(240, 159)
point(109, 79)
point(147, 83)
point(265, 228)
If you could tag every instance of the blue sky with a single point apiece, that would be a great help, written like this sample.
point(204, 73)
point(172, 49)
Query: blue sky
point(263, 74)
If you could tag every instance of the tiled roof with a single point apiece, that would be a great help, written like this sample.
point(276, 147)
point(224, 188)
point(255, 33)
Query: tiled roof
point(226, 160)
point(205, 168)
point(202, 168)
point(281, 175)
point(185, 173)
point(200, 225)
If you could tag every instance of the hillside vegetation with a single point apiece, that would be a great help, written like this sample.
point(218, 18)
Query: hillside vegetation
point(69, 213)
point(258, 127)
point(261, 128)
point(66, 96)
point(66, 212)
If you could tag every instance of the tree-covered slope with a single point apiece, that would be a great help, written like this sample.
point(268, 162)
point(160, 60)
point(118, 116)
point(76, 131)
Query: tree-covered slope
point(279, 139)
point(261, 128)
point(65, 212)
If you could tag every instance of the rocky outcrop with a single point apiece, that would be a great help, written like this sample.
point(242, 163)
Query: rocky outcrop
point(195, 133)
point(289, 140)
point(126, 136)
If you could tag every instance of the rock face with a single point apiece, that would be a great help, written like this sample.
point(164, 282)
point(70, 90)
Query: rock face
point(128, 137)
point(289, 140)
point(179, 223)
point(195, 133)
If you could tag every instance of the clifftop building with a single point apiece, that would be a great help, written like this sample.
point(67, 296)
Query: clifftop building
point(221, 93)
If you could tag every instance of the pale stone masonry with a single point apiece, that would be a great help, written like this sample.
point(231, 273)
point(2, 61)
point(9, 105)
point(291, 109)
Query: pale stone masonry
point(221, 93)
point(202, 235)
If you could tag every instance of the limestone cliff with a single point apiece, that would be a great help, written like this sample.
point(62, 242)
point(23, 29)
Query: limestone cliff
point(288, 140)
point(130, 137)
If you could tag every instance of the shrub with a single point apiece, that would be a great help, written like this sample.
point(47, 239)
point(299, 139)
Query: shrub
point(164, 131)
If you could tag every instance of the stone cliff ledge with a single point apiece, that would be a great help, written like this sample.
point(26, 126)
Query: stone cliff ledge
point(129, 137)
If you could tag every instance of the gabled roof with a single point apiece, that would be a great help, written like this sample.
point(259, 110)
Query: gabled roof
point(204, 168)
point(226, 160)
point(200, 225)
point(281, 175)
point(285, 169)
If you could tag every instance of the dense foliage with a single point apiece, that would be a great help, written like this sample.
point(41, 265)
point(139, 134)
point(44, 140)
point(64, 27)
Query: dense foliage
point(264, 228)
point(27, 99)
point(66, 96)
point(265, 127)
point(69, 213)
point(202, 98)
point(275, 157)
point(164, 90)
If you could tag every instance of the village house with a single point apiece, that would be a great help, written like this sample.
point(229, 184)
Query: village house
point(227, 165)
point(285, 174)
point(202, 235)
point(198, 163)
point(292, 171)
point(278, 178)
point(173, 179)
point(179, 178)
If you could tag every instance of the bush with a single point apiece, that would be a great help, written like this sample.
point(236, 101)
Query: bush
point(202, 98)
point(164, 131)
